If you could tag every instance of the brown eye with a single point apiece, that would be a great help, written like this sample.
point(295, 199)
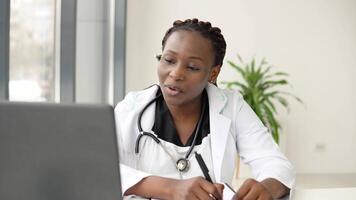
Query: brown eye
point(168, 61)
point(191, 68)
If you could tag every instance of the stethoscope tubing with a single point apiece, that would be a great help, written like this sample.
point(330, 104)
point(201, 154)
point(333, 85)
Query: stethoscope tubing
point(144, 133)
point(151, 135)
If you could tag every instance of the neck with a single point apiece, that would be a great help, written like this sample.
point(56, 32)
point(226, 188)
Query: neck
point(186, 111)
point(186, 117)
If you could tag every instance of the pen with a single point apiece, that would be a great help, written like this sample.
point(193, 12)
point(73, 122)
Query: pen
point(203, 167)
point(232, 189)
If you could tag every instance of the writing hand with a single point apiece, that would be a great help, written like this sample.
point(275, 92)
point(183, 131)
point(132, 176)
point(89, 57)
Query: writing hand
point(252, 190)
point(196, 188)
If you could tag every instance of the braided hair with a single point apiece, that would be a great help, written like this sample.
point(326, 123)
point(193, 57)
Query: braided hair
point(206, 30)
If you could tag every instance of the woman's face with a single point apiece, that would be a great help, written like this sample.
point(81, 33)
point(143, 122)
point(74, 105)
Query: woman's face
point(185, 67)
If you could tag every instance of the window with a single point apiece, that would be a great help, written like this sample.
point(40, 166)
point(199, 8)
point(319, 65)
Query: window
point(32, 50)
point(38, 55)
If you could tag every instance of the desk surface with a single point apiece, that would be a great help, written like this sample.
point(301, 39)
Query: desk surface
point(317, 181)
point(324, 194)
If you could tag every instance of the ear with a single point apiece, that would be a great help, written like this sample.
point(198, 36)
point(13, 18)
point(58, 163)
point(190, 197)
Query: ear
point(214, 74)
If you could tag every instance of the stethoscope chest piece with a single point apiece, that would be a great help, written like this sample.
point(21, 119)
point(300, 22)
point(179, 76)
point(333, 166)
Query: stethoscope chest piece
point(182, 165)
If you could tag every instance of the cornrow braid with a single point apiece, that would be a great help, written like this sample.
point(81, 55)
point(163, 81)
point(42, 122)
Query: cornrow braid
point(206, 30)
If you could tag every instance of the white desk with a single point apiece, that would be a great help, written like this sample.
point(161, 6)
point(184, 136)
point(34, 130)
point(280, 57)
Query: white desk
point(325, 187)
point(324, 194)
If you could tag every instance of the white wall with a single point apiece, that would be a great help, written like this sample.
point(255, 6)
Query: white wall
point(314, 41)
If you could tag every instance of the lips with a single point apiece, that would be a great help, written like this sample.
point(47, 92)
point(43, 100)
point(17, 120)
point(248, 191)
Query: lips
point(172, 90)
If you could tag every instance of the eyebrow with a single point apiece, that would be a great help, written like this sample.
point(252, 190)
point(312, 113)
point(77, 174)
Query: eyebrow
point(190, 57)
point(196, 57)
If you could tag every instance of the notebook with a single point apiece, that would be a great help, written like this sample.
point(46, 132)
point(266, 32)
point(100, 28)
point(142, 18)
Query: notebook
point(58, 151)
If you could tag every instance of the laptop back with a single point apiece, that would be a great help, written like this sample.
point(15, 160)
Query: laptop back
point(57, 151)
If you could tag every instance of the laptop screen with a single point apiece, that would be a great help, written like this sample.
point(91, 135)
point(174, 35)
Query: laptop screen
point(58, 151)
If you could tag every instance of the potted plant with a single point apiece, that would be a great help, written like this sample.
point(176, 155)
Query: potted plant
point(259, 89)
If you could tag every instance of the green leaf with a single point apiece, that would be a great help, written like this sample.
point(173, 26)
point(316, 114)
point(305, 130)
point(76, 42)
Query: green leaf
point(273, 124)
point(271, 94)
point(263, 62)
point(267, 70)
point(276, 74)
point(235, 83)
point(270, 104)
point(238, 68)
point(240, 59)
point(253, 65)
point(283, 101)
point(269, 84)
point(292, 95)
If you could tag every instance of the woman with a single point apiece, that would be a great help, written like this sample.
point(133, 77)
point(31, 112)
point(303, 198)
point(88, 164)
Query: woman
point(187, 116)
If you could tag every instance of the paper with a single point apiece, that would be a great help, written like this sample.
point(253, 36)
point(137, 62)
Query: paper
point(228, 192)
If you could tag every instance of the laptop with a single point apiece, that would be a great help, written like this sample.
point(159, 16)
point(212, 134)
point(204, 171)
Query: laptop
point(58, 152)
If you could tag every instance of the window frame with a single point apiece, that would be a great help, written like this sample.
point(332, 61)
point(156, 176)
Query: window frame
point(4, 48)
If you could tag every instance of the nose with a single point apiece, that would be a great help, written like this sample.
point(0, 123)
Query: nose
point(177, 73)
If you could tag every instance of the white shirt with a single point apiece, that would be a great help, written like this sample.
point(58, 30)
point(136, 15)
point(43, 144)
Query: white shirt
point(154, 160)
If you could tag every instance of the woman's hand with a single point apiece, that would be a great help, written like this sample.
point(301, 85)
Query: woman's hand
point(252, 190)
point(172, 189)
point(195, 188)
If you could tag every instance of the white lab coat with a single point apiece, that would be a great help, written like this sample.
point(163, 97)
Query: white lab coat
point(234, 128)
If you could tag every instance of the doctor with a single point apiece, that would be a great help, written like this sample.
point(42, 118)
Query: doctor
point(163, 128)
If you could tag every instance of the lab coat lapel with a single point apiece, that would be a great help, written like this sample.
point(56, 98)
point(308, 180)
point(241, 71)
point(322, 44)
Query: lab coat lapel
point(138, 100)
point(219, 127)
point(148, 116)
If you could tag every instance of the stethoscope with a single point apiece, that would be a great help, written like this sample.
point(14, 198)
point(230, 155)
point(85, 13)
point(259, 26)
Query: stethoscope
point(182, 164)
